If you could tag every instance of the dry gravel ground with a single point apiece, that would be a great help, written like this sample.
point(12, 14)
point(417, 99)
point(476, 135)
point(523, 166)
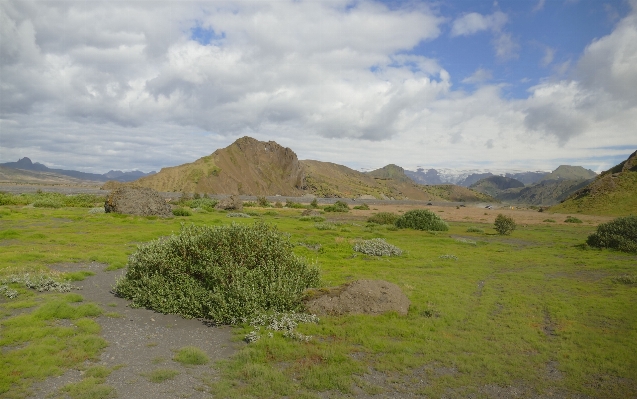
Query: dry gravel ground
point(141, 341)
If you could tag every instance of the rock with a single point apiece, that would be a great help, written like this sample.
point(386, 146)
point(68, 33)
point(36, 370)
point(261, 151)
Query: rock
point(232, 203)
point(372, 297)
point(137, 201)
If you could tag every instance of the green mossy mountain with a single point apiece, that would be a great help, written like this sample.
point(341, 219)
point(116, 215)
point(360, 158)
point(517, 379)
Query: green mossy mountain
point(568, 172)
point(494, 185)
point(613, 193)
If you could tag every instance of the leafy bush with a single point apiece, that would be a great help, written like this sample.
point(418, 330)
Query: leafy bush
point(325, 226)
point(504, 225)
point(312, 219)
point(219, 273)
point(620, 234)
point(270, 213)
point(625, 279)
point(377, 247)
point(295, 205)
point(421, 219)
point(571, 219)
point(238, 215)
point(207, 204)
point(314, 204)
point(181, 212)
point(383, 218)
point(339, 206)
point(278, 204)
point(250, 204)
point(47, 203)
point(263, 202)
point(549, 220)
point(475, 230)
point(363, 207)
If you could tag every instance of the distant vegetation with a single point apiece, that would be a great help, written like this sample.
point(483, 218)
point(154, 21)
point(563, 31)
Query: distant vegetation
point(52, 200)
point(383, 218)
point(339, 206)
point(504, 225)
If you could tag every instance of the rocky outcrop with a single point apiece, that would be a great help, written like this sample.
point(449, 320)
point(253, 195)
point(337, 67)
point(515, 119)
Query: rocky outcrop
point(137, 201)
point(232, 203)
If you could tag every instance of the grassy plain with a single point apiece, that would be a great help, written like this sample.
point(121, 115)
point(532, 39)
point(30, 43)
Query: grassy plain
point(537, 312)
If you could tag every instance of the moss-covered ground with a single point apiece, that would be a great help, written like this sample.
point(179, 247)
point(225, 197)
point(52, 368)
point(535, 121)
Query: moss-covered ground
point(537, 311)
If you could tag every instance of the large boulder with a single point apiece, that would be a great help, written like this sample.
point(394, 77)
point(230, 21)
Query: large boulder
point(372, 297)
point(137, 201)
point(232, 203)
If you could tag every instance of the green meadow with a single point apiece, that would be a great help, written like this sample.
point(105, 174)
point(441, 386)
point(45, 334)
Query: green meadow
point(536, 312)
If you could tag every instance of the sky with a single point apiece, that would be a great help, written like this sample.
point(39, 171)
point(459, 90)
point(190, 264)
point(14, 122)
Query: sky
point(491, 85)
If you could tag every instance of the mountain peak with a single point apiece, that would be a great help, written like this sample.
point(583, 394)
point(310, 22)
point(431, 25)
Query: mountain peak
point(24, 162)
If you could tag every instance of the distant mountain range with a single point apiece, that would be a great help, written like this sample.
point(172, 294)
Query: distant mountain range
point(26, 164)
point(467, 177)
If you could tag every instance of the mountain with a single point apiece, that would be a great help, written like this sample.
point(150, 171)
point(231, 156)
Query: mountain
point(474, 178)
point(568, 172)
point(527, 177)
point(21, 176)
point(26, 164)
point(429, 177)
point(494, 185)
point(613, 192)
point(253, 167)
point(391, 171)
point(546, 192)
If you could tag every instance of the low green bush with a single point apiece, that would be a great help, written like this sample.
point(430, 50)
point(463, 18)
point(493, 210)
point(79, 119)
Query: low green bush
point(325, 226)
point(47, 203)
point(620, 234)
point(263, 202)
point(421, 219)
point(377, 247)
point(181, 212)
point(250, 204)
point(294, 205)
point(222, 273)
point(549, 220)
point(571, 219)
point(207, 204)
point(363, 207)
point(504, 225)
point(339, 206)
point(383, 218)
point(475, 230)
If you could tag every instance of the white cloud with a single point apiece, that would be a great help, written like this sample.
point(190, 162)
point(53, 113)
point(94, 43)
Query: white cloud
point(549, 54)
point(479, 76)
point(539, 6)
point(506, 48)
point(332, 80)
point(472, 23)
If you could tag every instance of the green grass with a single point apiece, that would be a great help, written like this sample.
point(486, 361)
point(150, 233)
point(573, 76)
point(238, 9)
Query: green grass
point(161, 375)
point(191, 355)
point(498, 315)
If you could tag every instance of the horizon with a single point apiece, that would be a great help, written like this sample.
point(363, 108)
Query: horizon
point(484, 85)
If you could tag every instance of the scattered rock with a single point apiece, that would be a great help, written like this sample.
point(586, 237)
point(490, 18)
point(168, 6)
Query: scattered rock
point(232, 203)
point(137, 201)
point(372, 297)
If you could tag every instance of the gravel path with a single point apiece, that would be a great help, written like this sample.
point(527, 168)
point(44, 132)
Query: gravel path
point(141, 341)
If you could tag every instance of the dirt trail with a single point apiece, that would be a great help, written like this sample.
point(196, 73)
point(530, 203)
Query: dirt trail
point(142, 341)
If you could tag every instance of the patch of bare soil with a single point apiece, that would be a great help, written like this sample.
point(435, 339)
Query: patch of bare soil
point(358, 297)
point(141, 341)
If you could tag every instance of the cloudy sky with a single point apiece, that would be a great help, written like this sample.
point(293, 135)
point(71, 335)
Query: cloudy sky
point(526, 85)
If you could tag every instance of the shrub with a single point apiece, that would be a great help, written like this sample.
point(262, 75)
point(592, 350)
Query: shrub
point(363, 207)
point(263, 202)
point(238, 215)
point(421, 219)
point(475, 230)
point(571, 219)
point(47, 203)
point(625, 279)
point(549, 220)
point(295, 205)
point(377, 247)
point(270, 213)
point(278, 204)
point(181, 212)
point(207, 204)
point(339, 206)
point(383, 218)
point(504, 225)
point(325, 226)
point(314, 204)
point(249, 204)
point(221, 273)
point(312, 219)
point(620, 234)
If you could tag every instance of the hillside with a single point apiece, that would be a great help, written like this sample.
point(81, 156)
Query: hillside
point(247, 166)
point(253, 167)
point(568, 172)
point(548, 192)
point(613, 193)
point(494, 185)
